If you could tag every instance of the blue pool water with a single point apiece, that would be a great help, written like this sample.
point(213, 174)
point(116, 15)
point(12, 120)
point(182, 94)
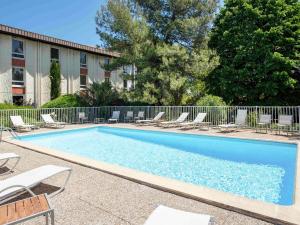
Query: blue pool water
point(259, 170)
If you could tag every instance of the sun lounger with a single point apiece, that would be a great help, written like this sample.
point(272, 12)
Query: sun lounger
point(16, 185)
point(240, 121)
point(156, 119)
point(264, 122)
point(19, 124)
point(140, 116)
point(284, 122)
point(49, 122)
point(198, 121)
point(115, 117)
point(82, 118)
point(128, 117)
point(175, 123)
point(163, 215)
point(6, 157)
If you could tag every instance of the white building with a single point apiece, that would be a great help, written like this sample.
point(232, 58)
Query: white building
point(25, 60)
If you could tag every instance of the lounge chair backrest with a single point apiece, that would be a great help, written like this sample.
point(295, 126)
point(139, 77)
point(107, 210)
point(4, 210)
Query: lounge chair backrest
point(285, 119)
point(182, 117)
point(141, 114)
point(129, 114)
point(265, 118)
point(200, 117)
point(17, 120)
point(115, 115)
point(159, 116)
point(241, 117)
point(81, 115)
point(47, 118)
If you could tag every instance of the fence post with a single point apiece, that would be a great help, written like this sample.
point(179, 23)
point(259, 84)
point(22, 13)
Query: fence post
point(299, 119)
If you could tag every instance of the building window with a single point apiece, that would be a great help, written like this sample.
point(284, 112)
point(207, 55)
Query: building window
point(107, 79)
point(106, 61)
point(125, 84)
point(18, 99)
point(17, 49)
point(18, 76)
point(83, 81)
point(54, 55)
point(83, 60)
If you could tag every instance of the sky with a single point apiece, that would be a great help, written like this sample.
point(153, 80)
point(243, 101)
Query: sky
point(72, 20)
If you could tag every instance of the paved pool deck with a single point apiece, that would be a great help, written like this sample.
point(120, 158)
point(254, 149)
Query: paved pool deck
point(93, 197)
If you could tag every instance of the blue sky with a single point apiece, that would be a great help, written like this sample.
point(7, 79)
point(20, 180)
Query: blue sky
point(72, 20)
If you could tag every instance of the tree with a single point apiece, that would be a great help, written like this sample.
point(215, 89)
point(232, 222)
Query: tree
point(55, 80)
point(100, 94)
point(258, 45)
point(163, 39)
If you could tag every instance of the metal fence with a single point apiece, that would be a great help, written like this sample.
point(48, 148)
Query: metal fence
point(215, 114)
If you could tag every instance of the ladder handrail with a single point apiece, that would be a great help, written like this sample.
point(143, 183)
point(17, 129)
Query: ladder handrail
point(11, 131)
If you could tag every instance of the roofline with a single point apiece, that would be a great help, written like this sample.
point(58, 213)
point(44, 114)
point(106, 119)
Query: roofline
point(55, 41)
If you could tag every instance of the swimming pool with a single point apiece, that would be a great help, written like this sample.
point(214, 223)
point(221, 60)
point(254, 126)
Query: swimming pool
point(260, 170)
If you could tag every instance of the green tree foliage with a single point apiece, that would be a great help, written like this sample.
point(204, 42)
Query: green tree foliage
point(55, 80)
point(101, 94)
point(258, 45)
point(211, 100)
point(164, 40)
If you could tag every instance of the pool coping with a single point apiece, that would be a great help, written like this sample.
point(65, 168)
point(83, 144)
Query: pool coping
point(266, 211)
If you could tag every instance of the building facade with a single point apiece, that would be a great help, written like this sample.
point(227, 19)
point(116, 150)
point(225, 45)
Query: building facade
point(26, 57)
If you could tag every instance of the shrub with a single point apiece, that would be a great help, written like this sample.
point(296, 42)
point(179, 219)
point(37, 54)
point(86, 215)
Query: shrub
point(64, 101)
point(11, 106)
point(211, 100)
point(218, 114)
point(102, 94)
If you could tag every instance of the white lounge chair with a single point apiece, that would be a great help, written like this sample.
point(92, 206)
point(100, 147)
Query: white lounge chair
point(240, 121)
point(115, 117)
point(82, 118)
point(49, 121)
point(264, 121)
point(19, 124)
point(21, 183)
point(284, 122)
point(177, 122)
point(163, 215)
point(198, 121)
point(156, 119)
point(128, 117)
point(6, 157)
point(140, 116)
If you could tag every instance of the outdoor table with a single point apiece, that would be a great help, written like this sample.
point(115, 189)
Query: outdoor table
point(26, 209)
point(99, 120)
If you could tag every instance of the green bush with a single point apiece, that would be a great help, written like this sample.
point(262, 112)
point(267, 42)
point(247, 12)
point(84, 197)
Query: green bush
point(65, 101)
point(211, 100)
point(218, 114)
point(11, 106)
point(102, 94)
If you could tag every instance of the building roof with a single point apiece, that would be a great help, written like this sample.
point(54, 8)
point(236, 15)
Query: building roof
point(55, 41)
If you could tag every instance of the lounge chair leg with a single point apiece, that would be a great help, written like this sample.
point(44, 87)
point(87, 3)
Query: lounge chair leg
point(47, 218)
point(63, 186)
point(52, 218)
point(12, 168)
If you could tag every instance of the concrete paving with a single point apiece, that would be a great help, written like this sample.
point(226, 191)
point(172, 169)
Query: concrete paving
point(96, 198)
